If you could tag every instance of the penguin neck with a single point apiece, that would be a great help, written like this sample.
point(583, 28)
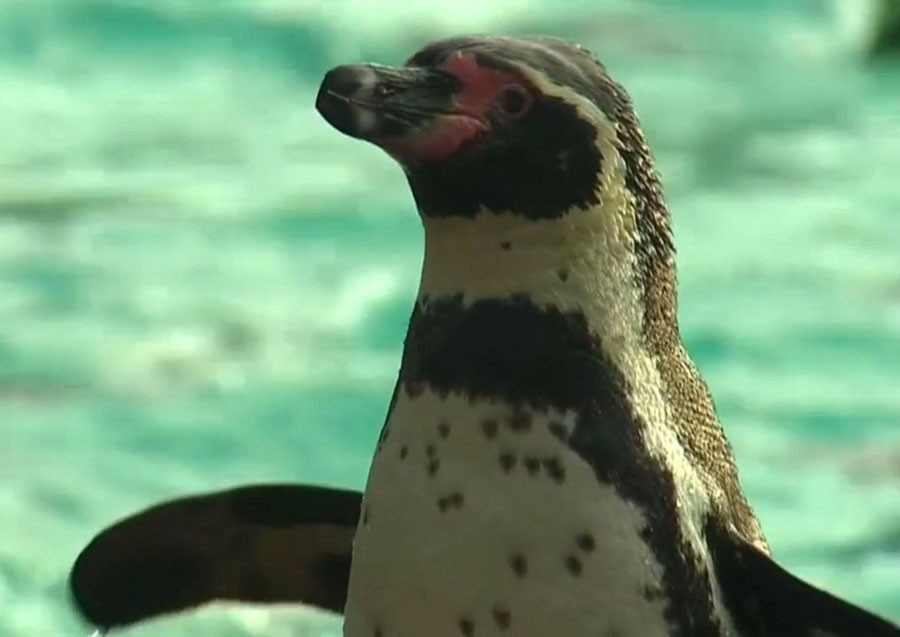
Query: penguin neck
point(584, 262)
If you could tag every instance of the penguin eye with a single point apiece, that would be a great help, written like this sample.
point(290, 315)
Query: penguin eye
point(514, 100)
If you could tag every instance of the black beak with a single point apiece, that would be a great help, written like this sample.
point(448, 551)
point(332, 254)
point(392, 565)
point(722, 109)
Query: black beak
point(377, 103)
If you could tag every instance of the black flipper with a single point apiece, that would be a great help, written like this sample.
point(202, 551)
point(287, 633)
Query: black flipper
point(767, 601)
point(257, 544)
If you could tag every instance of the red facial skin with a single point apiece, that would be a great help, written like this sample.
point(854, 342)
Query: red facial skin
point(448, 133)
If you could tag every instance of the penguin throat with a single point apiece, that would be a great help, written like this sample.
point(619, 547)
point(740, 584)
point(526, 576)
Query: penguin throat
point(573, 262)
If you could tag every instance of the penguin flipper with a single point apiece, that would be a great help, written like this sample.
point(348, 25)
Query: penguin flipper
point(765, 599)
point(256, 544)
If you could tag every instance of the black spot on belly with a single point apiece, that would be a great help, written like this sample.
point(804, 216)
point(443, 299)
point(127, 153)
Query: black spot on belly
point(451, 501)
point(563, 275)
point(586, 542)
point(555, 469)
point(502, 617)
point(507, 462)
point(573, 565)
point(404, 451)
point(444, 430)
point(433, 466)
point(506, 245)
point(532, 465)
point(558, 430)
point(430, 450)
point(467, 627)
point(519, 565)
point(489, 427)
point(535, 358)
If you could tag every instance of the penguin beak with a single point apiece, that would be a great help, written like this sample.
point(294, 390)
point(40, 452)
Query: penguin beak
point(411, 112)
point(371, 101)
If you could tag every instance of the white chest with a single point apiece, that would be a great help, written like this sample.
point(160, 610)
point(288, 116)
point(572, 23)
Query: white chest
point(480, 521)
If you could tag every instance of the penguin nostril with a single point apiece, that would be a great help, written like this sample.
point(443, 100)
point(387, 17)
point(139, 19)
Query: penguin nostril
point(383, 90)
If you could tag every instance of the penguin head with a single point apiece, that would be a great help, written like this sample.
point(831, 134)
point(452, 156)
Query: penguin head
point(529, 126)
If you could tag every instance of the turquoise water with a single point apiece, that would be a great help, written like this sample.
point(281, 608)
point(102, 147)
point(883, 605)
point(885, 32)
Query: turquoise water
point(202, 284)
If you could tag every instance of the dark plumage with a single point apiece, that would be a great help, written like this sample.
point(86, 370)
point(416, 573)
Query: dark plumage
point(261, 544)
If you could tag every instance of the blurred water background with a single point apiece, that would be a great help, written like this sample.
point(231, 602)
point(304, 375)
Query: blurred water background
point(202, 284)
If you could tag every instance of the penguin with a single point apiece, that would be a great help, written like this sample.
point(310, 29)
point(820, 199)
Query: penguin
point(551, 461)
